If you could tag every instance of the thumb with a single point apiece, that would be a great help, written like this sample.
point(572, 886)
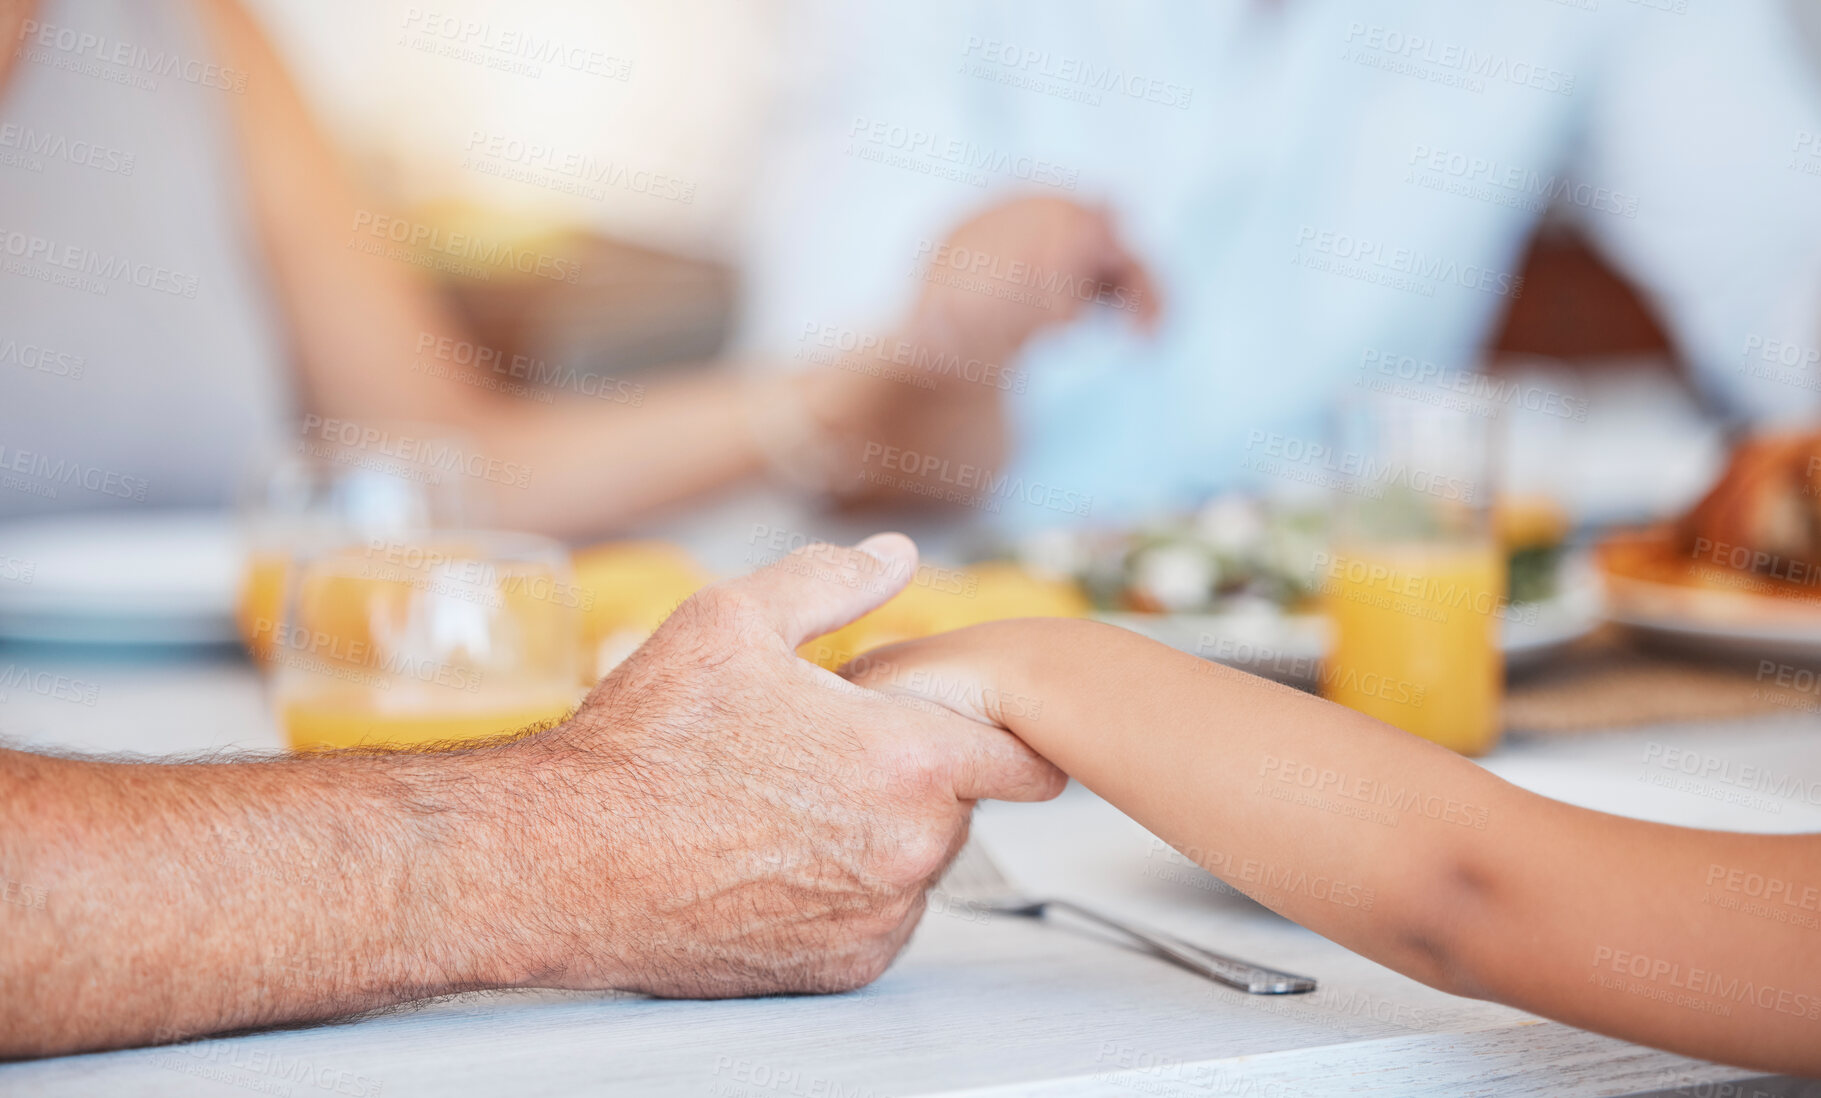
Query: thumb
point(820, 587)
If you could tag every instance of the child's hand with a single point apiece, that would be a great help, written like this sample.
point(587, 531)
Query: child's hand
point(976, 672)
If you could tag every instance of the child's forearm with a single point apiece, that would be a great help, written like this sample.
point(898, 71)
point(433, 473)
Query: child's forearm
point(1414, 856)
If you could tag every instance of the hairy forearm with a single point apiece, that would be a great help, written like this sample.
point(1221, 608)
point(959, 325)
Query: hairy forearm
point(164, 901)
point(1418, 858)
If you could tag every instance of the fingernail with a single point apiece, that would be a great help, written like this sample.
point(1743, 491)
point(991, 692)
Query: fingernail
point(886, 548)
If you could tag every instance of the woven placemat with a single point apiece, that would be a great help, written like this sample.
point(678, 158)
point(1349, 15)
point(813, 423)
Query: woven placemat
point(1612, 679)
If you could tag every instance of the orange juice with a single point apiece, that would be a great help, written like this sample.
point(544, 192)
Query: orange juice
point(1416, 638)
point(262, 599)
point(355, 720)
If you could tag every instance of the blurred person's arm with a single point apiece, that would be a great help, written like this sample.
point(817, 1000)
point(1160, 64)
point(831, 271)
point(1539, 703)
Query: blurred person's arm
point(357, 322)
point(1404, 851)
point(1698, 174)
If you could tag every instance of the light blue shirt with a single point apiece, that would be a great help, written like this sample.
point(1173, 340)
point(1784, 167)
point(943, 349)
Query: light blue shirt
point(1324, 190)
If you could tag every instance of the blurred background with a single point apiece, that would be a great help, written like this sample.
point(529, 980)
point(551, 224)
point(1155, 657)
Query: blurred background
point(747, 106)
point(1119, 309)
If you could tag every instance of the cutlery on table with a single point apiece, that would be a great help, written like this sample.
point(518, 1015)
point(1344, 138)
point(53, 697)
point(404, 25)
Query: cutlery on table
point(975, 879)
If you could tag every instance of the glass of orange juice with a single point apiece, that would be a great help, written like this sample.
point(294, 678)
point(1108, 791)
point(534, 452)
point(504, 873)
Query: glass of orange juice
point(340, 481)
point(396, 641)
point(1413, 581)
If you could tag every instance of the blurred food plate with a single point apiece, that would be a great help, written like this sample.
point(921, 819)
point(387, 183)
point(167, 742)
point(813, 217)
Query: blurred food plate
point(1288, 646)
point(1668, 594)
point(1240, 581)
point(148, 578)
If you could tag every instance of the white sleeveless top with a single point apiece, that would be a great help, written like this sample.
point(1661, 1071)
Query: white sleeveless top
point(141, 356)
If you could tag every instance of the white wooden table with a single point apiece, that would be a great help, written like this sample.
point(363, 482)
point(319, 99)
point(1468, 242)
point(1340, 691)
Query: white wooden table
point(976, 1005)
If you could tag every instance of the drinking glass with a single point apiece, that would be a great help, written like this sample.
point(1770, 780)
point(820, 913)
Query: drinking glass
point(430, 637)
point(338, 483)
point(1414, 578)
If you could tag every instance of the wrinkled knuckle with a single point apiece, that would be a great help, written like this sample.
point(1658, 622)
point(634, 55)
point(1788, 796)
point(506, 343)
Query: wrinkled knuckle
point(916, 856)
point(881, 922)
point(719, 606)
point(909, 768)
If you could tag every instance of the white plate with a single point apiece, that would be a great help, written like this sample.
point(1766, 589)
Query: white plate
point(1289, 647)
point(148, 578)
point(1726, 621)
point(1782, 640)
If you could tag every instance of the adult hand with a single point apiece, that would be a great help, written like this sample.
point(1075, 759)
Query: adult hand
point(1025, 265)
point(938, 384)
point(719, 818)
point(733, 820)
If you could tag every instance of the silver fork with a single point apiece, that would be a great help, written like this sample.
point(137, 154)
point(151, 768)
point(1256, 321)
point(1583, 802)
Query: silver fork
point(975, 879)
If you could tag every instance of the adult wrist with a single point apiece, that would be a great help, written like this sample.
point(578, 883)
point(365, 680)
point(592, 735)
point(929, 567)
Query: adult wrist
point(942, 324)
point(801, 439)
point(474, 832)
